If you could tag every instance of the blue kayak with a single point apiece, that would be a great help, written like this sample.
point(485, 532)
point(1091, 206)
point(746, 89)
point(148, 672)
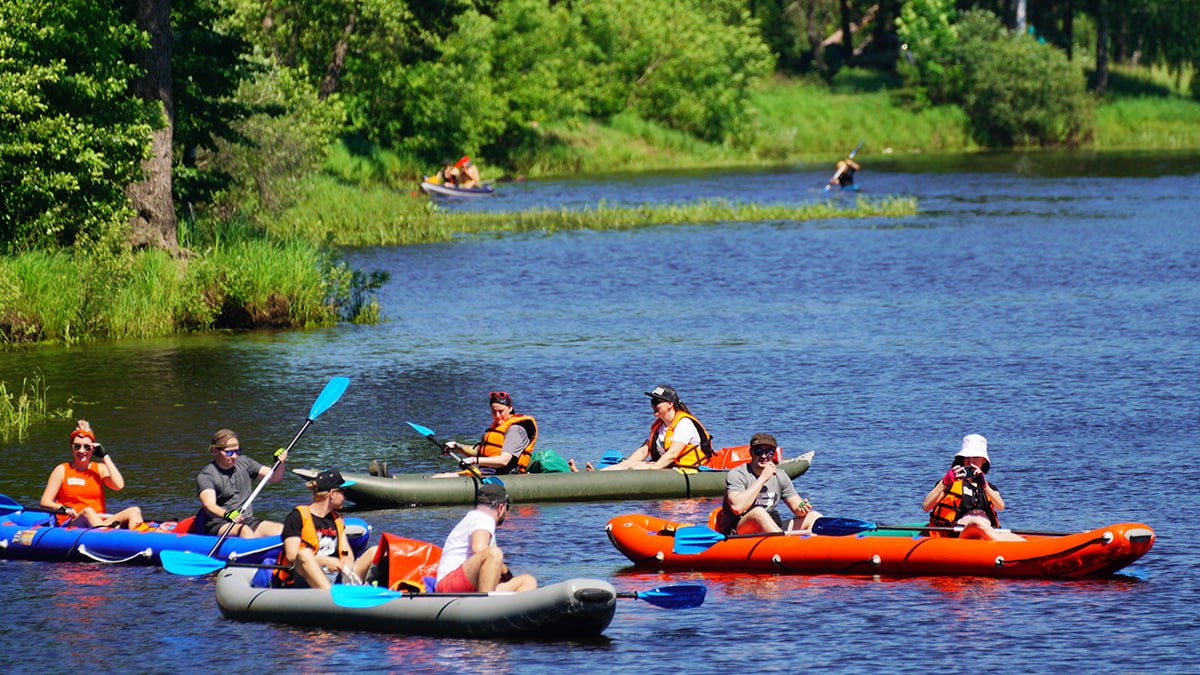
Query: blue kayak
point(33, 535)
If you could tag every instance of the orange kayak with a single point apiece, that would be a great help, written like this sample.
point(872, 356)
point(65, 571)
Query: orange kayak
point(649, 542)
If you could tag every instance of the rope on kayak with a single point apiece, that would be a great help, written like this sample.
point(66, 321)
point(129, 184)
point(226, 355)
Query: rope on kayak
point(146, 553)
point(1105, 539)
point(873, 561)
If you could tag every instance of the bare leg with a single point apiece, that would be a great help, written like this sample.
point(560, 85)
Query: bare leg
point(757, 520)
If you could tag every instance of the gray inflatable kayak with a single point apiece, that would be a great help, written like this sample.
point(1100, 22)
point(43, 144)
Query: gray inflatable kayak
point(577, 608)
point(416, 489)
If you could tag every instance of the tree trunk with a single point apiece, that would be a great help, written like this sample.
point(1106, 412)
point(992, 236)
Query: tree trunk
point(847, 41)
point(1069, 29)
point(1099, 83)
point(337, 60)
point(154, 222)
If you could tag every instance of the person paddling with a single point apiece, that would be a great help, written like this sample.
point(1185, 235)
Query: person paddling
point(461, 174)
point(76, 487)
point(754, 490)
point(225, 484)
point(471, 560)
point(677, 439)
point(844, 176)
point(314, 540)
point(507, 444)
point(963, 497)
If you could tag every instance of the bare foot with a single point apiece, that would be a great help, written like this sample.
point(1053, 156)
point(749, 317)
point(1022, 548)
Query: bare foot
point(589, 467)
point(571, 463)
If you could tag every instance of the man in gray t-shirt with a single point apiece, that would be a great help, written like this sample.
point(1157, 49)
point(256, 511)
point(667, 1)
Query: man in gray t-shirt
point(225, 484)
point(754, 489)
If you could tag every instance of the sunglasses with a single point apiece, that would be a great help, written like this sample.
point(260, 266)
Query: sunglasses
point(82, 446)
point(500, 397)
point(231, 453)
point(762, 452)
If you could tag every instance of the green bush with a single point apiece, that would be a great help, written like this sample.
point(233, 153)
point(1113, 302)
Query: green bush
point(1017, 91)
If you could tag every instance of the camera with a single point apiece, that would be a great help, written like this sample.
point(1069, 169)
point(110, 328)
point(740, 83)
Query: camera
point(970, 472)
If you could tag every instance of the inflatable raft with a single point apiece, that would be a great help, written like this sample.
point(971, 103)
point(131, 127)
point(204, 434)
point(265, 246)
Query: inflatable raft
point(443, 190)
point(423, 490)
point(571, 609)
point(649, 542)
point(31, 535)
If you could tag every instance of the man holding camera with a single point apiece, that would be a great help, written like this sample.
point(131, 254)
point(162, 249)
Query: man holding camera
point(964, 499)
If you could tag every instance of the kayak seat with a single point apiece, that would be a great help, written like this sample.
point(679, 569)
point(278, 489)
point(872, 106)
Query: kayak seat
point(187, 526)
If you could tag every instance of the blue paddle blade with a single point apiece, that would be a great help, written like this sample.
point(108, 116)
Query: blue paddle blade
point(683, 596)
point(424, 431)
point(841, 527)
point(189, 564)
point(9, 505)
point(329, 395)
point(692, 540)
point(360, 597)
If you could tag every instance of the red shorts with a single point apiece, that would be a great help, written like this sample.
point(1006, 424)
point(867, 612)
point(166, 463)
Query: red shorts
point(455, 582)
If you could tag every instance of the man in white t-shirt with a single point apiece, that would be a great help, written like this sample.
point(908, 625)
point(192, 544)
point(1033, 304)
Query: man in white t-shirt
point(471, 560)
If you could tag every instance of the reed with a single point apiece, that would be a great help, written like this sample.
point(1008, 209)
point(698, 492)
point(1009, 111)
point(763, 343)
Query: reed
point(383, 218)
point(67, 297)
point(22, 408)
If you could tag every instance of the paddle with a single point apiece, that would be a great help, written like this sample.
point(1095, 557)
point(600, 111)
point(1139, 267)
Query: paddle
point(682, 596)
point(428, 433)
point(840, 527)
point(9, 506)
point(329, 395)
point(843, 167)
point(190, 564)
point(692, 539)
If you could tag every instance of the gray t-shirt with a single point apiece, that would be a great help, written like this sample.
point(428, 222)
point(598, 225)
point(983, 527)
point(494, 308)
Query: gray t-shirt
point(777, 489)
point(234, 486)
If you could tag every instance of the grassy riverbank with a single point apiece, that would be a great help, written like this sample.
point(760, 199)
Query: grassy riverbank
point(72, 296)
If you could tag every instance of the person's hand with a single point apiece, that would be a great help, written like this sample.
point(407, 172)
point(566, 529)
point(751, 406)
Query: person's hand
point(281, 454)
point(98, 452)
point(768, 471)
point(63, 508)
point(449, 446)
point(233, 515)
point(951, 475)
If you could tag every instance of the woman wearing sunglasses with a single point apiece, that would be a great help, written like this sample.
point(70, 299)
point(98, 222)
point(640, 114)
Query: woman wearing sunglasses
point(507, 444)
point(76, 488)
point(226, 483)
point(754, 490)
point(677, 438)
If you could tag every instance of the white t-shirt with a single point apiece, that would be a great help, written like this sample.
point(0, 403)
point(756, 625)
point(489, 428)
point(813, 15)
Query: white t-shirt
point(457, 547)
point(685, 431)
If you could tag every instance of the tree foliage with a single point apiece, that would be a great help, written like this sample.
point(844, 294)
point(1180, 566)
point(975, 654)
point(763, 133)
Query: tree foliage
point(71, 136)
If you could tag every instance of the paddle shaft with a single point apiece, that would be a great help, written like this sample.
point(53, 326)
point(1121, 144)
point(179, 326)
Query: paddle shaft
point(931, 528)
point(843, 167)
point(442, 446)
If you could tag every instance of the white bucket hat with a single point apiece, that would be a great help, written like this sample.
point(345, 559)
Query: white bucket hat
point(974, 445)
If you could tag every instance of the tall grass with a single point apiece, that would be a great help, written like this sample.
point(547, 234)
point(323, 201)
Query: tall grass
point(21, 409)
point(1141, 123)
point(67, 297)
point(355, 217)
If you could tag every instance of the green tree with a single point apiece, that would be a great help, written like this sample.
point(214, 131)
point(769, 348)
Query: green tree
point(928, 40)
point(71, 135)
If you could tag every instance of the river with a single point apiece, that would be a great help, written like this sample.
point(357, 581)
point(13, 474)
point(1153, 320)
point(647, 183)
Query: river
point(1050, 301)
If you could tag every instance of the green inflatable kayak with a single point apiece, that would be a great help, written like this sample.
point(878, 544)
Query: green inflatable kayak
point(416, 489)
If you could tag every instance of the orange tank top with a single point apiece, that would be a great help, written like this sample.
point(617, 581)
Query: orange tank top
point(81, 489)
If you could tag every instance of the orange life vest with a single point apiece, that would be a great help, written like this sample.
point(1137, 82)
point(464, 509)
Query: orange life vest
point(691, 456)
point(493, 443)
point(308, 537)
point(948, 509)
point(81, 489)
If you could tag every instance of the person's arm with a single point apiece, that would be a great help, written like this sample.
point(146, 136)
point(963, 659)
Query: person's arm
point(276, 475)
point(740, 501)
point(685, 432)
point(993, 496)
point(208, 499)
point(53, 485)
point(799, 505)
point(939, 488)
point(668, 457)
point(635, 458)
point(114, 480)
point(480, 541)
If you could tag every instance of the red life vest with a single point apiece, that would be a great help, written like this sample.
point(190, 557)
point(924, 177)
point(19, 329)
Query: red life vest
point(493, 443)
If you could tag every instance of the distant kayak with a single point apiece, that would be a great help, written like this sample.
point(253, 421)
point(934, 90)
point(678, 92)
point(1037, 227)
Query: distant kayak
point(444, 190)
